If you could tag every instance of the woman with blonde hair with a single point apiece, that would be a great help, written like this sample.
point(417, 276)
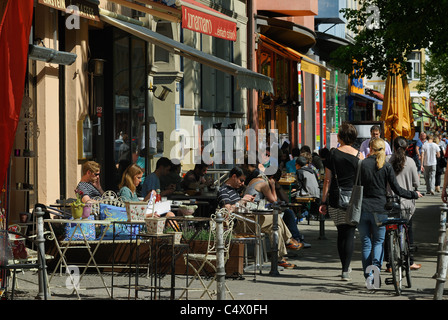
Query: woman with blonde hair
point(132, 176)
point(376, 174)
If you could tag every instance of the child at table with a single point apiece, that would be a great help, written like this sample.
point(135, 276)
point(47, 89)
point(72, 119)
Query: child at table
point(307, 184)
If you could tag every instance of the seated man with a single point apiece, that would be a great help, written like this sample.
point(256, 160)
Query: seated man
point(172, 178)
point(228, 193)
point(194, 179)
point(90, 185)
point(152, 181)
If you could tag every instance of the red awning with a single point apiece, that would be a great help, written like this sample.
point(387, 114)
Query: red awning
point(15, 28)
point(200, 18)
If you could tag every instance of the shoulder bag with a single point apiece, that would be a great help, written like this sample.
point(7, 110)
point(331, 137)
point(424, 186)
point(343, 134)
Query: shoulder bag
point(353, 212)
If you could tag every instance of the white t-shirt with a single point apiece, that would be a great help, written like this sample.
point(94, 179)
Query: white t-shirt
point(430, 157)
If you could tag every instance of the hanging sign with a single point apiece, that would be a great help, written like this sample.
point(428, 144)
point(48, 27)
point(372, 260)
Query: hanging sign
point(205, 23)
point(83, 8)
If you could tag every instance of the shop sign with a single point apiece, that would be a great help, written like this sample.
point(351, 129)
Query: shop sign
point(84, 8)
point(208, 24)
point(357, 83)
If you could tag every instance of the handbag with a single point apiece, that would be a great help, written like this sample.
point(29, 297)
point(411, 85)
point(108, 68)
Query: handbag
point(353, 212)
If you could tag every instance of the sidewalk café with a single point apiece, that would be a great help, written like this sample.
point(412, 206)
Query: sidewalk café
point(108, 237)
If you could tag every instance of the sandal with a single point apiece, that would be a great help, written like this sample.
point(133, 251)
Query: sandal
point(294, 245)
point(285, 264)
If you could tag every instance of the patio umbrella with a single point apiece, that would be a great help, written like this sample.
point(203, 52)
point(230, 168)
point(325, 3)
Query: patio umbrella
point(397, 111)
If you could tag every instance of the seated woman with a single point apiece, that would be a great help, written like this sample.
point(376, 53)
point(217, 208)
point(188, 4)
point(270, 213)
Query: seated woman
point(262, 187)
point(132, 176)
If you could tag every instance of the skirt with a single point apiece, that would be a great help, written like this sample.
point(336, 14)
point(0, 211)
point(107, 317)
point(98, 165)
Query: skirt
point(337, 215)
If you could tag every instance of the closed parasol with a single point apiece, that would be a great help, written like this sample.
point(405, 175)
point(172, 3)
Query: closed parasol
point(397, 110)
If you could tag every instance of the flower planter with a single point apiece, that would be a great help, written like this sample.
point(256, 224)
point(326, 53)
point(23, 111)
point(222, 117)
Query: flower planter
point(87, 210)
point(77, 211)
point(136, 210)
point(235, 264)
point(155, 225)
point(177, 236)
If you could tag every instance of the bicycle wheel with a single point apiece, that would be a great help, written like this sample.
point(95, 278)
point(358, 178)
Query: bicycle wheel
point(395, 261)
point(406, 256)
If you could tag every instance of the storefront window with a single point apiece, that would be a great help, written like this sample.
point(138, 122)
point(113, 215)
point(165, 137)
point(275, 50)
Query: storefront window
point(129, 98)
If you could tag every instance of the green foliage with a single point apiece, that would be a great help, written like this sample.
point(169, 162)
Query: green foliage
point(189, 232)
point(404, 26)
point(435, 80)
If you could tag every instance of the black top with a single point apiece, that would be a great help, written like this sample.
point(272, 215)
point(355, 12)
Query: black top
point(343, 165)
point(375, 185)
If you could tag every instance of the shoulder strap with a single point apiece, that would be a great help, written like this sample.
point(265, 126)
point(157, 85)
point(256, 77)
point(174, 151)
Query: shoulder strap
point(358, 173)
point(334, 167)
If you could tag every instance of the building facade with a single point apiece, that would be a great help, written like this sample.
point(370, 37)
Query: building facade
point(118, 79)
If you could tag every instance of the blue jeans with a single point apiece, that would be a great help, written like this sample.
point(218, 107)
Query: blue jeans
point(372, 240)
point(290, 221)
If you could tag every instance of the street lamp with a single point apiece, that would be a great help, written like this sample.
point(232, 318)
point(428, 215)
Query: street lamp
point(162, 96)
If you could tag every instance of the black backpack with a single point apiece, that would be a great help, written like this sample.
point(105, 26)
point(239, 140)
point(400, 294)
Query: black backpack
point(411, 150)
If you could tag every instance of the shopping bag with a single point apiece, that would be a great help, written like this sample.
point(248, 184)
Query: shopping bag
point(353, 212)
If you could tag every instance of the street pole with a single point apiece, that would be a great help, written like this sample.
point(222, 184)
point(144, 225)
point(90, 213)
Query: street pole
point(274, 244)
point(40, 241)
point(442, 257)
point(220, 263)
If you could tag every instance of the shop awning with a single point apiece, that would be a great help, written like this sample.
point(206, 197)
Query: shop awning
point(245, 77)
point(364, 97)
point(289, 34)
point(307, 64)
point(194, 16)
point(203, 19)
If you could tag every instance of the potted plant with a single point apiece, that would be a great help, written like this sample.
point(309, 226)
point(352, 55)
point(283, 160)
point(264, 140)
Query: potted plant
point(77, 206)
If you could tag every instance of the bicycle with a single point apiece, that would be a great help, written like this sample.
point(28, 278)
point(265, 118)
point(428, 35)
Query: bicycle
point(398, 246)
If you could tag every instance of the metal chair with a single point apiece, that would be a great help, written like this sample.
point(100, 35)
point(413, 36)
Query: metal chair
point(9, 263)
point(199, 261)
point(251, 233)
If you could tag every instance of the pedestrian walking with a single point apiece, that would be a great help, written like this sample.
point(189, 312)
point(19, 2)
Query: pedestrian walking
point(441, 163)
point(407, 177)
point(342, 163)
point(376, 174)
point(430, 153)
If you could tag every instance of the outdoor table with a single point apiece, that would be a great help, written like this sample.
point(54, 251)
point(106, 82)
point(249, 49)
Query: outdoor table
point(126, 224)
point(274, 243)
point(191, 202)
point(241, 215)
point(83, 244)
point(305, 201)
point(288, 183)
point(207, 201)
point(157, 242)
